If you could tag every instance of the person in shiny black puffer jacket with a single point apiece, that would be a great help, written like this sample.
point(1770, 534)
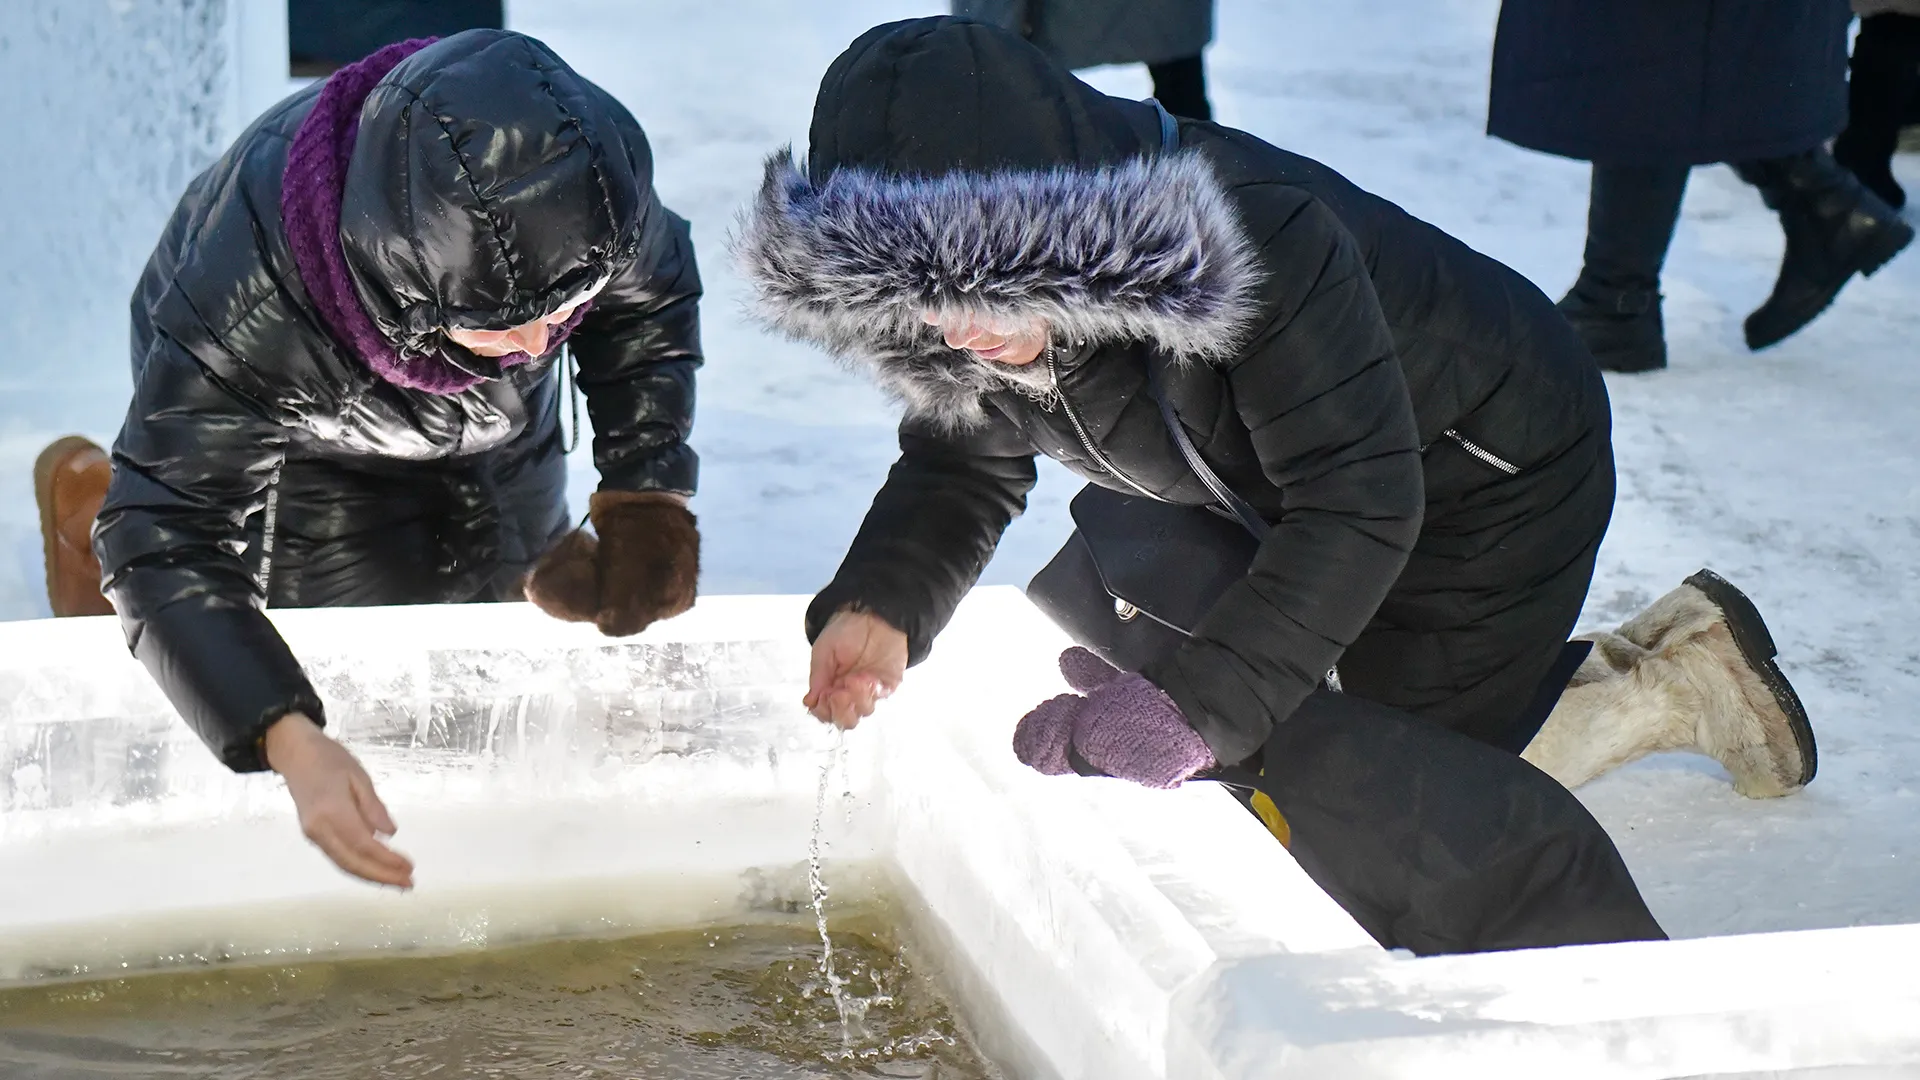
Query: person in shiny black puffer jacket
point(346, 390)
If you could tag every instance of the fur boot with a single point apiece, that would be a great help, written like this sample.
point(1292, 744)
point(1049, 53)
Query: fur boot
point(1693, 672)
point(644, 566)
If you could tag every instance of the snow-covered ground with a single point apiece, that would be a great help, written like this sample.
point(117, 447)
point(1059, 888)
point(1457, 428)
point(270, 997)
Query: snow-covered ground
point(1794, 473)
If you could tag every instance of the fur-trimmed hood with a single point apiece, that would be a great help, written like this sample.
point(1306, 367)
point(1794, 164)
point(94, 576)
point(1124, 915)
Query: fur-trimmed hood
point(1147, 249)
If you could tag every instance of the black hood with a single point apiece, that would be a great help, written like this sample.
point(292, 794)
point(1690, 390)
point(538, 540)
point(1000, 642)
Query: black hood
point(489, 184)
point(956, 169)
point(930, 96)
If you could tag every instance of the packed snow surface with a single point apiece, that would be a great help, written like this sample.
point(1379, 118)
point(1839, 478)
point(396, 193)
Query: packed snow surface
point(1793, 472)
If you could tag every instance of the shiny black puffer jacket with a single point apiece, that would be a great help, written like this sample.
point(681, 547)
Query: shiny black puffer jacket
point(1392, 392)
point(486, 177)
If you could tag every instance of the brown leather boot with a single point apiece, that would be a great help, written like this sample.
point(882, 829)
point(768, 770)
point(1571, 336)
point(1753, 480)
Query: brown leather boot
point(70, 482)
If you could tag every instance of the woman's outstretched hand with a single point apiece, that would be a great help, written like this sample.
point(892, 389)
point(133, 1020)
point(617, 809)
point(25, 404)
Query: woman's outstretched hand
point(857, 660)
point(334, 796)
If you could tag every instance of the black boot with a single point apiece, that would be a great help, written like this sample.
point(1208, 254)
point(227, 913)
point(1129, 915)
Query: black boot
point(1615, 305)
point(1886, 76)
point(1835, 229)
point(1181, 87)
point(1621, 327)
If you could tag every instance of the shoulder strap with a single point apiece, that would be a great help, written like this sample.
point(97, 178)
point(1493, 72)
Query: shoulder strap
point(1169, 127)
point(1248, 517)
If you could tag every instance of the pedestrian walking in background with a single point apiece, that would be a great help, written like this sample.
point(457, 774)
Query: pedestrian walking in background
point(1881, 93)
point(1647, 89)
point(1165, 35)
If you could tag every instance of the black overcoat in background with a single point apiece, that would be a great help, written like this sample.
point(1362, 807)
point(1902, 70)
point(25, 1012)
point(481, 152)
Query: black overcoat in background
point(1087, 33)
point(1669, 82)
point(333, 32)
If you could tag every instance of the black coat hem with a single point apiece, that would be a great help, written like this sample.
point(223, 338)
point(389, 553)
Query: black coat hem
point(1690, 156)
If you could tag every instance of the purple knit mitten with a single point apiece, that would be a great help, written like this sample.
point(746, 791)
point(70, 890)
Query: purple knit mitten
point(1125, 726)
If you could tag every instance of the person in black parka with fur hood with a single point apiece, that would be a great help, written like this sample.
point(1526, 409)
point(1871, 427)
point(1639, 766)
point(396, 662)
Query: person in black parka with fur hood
point(1006, 251)
point(345, 354)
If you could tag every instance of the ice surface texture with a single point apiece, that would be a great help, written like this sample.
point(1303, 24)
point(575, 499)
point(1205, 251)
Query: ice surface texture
point(83, 730)
point(1087, 927)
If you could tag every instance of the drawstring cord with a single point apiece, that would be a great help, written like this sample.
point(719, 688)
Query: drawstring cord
point(570, 379)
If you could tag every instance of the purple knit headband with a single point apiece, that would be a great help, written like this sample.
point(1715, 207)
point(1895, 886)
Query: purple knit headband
point(310, 197)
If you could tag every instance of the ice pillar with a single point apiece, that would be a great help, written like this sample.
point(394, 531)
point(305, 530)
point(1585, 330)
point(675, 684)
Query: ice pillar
point(111, 107)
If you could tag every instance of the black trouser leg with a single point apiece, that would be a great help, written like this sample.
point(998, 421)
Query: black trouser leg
point(1631, 212)
point(1181, 86)
point(1438, 843)
point(1882, 88)
point(1615, 306)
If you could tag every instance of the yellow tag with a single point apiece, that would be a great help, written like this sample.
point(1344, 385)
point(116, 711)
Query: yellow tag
point(1270, 816)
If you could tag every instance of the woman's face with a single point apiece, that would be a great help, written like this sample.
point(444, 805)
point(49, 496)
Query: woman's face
point(530, 338)
point(1017, 345)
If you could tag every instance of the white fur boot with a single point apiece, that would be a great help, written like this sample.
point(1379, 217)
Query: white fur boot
point(1693, 672)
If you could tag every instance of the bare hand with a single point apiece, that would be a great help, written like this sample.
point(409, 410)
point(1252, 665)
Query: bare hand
point(334, 796)
point(857, 660)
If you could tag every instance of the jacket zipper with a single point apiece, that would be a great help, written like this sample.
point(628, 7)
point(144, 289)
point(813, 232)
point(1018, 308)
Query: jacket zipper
point(1080, 429)
point(268, 528)
point(1481, 452)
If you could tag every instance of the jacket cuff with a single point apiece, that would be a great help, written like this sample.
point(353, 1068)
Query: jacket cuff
point(227, 672)
point(674, 469)
point(249, 754)
point(838, 597)
point(1231, 743)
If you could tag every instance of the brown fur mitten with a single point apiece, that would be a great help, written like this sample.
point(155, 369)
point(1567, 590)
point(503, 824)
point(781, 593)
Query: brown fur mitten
point(565, 583)
point(649, 559)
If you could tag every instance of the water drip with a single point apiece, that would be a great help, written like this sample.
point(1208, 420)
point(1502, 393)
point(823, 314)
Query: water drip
point(852, 1012)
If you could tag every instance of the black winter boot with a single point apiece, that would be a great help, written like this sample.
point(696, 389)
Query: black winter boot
point(1886, 77)
point(1835, 229)
point(1615, 305)
point(1621, 327)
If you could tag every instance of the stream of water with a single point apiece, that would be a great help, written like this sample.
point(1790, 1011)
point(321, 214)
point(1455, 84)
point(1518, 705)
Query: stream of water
point(852, 1011)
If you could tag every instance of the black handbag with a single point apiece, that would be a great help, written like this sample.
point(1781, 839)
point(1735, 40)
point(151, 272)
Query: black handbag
point(1137, 575)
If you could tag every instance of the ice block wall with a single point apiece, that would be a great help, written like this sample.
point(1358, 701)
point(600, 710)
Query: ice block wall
point(548, 780)
point(516, 752)
point(111, 107)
